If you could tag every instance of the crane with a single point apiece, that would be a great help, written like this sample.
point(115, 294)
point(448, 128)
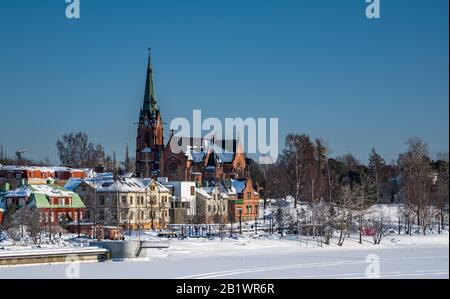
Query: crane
point(20, 151)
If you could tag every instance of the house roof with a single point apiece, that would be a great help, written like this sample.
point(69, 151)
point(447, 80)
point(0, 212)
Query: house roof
point(238, 185)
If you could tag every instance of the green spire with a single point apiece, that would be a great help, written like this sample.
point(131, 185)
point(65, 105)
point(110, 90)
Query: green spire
point(150, 107)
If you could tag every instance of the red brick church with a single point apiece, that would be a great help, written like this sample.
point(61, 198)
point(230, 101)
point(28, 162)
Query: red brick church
point(150, 137)
point(201, 160)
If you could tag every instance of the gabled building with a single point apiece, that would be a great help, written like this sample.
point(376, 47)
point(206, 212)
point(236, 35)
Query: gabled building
point(244, 199)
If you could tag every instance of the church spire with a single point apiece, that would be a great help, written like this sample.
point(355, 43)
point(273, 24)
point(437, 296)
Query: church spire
point(150, 107)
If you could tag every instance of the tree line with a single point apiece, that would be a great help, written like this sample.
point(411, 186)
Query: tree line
point(345, 189)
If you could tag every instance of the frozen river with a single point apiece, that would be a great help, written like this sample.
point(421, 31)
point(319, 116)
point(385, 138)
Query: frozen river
point(264, 259)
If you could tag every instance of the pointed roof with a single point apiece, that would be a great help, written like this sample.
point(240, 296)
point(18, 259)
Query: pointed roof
point(150, 107)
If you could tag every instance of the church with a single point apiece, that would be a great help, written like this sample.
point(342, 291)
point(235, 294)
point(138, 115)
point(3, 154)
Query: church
point(202, 160)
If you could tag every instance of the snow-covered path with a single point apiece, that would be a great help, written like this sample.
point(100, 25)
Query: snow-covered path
point(417, 258)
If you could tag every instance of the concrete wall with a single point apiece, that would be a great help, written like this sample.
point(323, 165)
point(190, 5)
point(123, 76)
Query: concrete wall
point(120, 249)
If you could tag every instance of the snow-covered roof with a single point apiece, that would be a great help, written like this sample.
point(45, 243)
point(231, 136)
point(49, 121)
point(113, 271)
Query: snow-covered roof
point(203, 192)
point(105, 183)
point(122, 185)
point(23, 191)
point(72, 184)
point(51, 191)
point(197, 154)
point(39, 168)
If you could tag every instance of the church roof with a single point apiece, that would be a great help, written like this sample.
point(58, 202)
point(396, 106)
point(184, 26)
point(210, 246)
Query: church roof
point(197, 149)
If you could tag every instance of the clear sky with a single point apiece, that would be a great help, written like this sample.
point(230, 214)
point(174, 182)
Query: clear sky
point(321, 67)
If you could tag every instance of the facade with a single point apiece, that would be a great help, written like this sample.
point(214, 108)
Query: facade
point(150, 136)
point(244, 200)
point(212, 205)
point(182, 202)
point(134, 203)
point(53, 202)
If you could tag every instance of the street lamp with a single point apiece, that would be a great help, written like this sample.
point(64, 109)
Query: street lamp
point(240, 221)
point(78, 225)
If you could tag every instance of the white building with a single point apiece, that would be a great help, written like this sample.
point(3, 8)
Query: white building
point(183, 194)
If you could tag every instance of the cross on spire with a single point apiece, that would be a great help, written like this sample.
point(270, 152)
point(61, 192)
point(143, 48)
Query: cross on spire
point(149, 57)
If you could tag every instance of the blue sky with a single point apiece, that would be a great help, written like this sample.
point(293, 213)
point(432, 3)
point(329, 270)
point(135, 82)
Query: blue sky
point(321, 67)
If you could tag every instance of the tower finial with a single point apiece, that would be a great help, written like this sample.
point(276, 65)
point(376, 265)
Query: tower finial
point(149, 57)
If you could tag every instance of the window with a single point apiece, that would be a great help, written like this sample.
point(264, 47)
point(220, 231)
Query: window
point(249, 195)
point(83, 188)
point(192, 190)
point(131, 200)
point(102, 200)
point(209, 208)
point(124, 199)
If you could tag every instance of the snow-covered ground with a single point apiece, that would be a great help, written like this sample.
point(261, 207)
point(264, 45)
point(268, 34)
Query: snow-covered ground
point(402, 256)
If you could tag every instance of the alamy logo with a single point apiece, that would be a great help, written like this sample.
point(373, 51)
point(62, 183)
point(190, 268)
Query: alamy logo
point(252, 134)
point(73, 9)
point(73, 269)
point(373, 269)
point(373, 9)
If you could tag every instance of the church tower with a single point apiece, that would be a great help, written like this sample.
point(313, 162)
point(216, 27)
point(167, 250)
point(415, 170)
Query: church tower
point(150, 139)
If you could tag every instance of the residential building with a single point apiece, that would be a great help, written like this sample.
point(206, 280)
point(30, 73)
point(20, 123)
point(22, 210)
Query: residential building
point(36, 175)
point(140, 203)
point(212, 204)
point(53, 202)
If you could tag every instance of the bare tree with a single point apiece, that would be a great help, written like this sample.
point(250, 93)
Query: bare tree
point(297, 160)
point(283, 219)
point(379, 225)
point(344, 212)
point(75, 150)
point(26, 222)
point(365, 196)
point(417, 178)
point(442, 187)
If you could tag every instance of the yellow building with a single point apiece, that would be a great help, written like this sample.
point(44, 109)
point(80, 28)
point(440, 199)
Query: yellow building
point(143, 203)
